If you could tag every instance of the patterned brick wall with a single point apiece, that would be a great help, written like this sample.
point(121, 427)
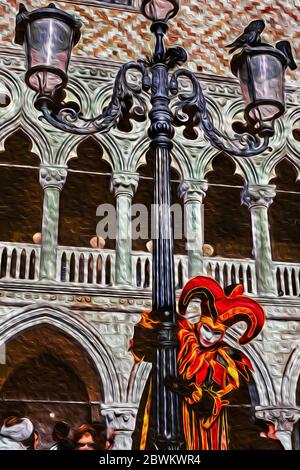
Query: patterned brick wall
point(203, 27)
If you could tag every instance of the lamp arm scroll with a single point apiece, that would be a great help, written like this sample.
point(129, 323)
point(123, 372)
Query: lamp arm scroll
point(124, 97)
point(240, 145)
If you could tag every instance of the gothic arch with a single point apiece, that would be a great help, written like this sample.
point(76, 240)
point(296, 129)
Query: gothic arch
point(78, 329)
point(240, 170)
point(287, 160)
point(262, 379)
point(284, 214)
point(112, 153)
point(272, 164)
point(40, 144)
point(204, 162)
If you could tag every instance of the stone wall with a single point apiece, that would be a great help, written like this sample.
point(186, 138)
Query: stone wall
point(204, 28)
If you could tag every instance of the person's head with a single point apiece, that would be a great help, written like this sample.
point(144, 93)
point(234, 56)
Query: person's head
point(221, 309)
point(210, 334)
point(208, 250)
point(85, 438)
point(19, 430)
point(60, 431)
point(33, 441)
point(101, 434)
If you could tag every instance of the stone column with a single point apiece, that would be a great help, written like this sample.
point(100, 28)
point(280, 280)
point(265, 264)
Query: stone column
point(52, 180)
point(258, 199)
point(124, 186)
point(284, 420)
point(193, 192)
point(120, 420)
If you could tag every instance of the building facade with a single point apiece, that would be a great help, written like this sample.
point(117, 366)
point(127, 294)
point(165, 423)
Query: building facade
point(69, 308)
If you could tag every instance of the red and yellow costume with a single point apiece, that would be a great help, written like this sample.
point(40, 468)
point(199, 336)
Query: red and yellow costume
point(211, 373)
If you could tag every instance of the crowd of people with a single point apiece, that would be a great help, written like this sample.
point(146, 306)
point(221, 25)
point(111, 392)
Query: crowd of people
point(20, 434)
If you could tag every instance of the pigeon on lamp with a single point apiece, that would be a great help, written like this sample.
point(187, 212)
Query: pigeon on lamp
point(285, 47)
point(250, 36)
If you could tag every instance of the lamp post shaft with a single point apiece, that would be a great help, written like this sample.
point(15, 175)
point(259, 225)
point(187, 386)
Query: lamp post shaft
point(161, 132)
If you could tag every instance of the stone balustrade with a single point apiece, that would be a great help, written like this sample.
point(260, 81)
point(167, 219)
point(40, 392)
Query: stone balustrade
point(19, 261)
point(93, 266)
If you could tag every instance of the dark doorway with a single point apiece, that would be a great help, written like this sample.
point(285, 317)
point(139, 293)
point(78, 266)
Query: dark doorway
point(48, 378)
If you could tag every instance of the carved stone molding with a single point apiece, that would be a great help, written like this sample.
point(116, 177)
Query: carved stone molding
point(193, 190)
point(54, 177)
point(119, 417)
point(121, 420)
point(284, 420)
point(124, 183)
point(254, 195)
point(88, 302)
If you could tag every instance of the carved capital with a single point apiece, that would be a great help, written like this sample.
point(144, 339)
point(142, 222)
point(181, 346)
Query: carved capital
point(124, 183)
point(118, 417)
point(255, 195)
point(283, 418)
point(53, 176)
point(193, 190)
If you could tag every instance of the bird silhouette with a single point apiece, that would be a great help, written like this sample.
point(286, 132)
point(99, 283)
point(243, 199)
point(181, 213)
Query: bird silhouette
point(285, 47)
point(250, 36)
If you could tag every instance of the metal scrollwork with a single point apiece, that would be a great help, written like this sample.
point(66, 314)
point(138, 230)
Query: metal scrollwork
point(126, 97)
point(245, 145)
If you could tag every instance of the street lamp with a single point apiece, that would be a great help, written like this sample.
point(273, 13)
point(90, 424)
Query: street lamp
point(261, 74)
point(48, 35)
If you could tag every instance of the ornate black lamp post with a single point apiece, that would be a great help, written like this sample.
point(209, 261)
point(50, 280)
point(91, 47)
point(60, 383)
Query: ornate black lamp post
point(49, 34)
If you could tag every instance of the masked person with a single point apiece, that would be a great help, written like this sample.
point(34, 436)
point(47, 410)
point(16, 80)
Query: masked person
point(208, 368)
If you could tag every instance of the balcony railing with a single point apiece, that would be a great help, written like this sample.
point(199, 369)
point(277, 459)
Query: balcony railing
point(142, 269)
point(19, 261)
point(232, 271)
point(85, 266)
point(288, 278)
point(96, 267)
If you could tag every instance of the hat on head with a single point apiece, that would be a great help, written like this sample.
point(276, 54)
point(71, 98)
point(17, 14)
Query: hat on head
point(18, 432)
point(223, 308)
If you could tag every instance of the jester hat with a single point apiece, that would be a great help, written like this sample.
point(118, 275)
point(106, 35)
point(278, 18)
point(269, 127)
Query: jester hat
point(223, 308)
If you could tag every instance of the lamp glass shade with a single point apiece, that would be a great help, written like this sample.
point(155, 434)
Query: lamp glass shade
point(48, 35)
point(261, 75)
point(160, 10)
point(49, 43)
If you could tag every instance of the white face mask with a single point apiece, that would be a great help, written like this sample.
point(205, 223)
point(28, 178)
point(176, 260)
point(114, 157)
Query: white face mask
point(209, 337)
